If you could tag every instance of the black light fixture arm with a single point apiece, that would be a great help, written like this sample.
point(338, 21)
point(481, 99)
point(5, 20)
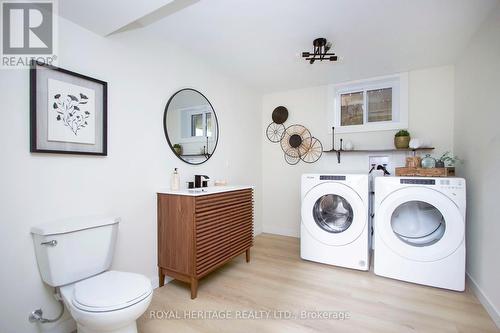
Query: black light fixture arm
point(320, 51)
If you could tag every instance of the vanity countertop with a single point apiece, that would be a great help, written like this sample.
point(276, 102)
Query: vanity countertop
point(205, 190)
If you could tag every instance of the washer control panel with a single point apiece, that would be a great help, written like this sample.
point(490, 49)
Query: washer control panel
point(331, 177)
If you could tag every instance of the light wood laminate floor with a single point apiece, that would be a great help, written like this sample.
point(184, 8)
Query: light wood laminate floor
point(277, 279)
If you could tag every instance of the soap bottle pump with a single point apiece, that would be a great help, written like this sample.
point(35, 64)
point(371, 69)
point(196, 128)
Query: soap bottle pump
point(175, 181)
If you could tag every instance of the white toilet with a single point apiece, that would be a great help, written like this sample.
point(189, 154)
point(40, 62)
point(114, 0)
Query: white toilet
point(75, 256)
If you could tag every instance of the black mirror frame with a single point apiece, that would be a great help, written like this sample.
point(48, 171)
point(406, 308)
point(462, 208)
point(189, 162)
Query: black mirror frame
point(166, 132)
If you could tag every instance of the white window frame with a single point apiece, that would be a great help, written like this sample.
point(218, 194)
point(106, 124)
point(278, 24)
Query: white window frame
point(399, 85)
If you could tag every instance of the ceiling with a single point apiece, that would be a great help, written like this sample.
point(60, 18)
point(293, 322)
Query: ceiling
point(260, 41)
point(112, 16)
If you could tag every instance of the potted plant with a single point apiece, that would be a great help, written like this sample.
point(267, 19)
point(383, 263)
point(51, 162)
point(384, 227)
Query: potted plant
point(402, 139)
point(178, 149)
point(447, 160)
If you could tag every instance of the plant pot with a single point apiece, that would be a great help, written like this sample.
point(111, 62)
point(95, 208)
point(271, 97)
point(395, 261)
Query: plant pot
point(402, 142)
point(439, 164)
point(178, 151)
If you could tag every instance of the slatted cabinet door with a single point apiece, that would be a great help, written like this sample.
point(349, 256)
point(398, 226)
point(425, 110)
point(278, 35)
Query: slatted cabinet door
point(224, 228)
point(197, 234)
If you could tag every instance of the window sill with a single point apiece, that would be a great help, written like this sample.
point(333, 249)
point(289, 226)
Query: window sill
point(388, 126)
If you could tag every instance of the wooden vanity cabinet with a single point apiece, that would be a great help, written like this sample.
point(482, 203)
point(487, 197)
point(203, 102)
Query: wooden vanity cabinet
point(197, 234)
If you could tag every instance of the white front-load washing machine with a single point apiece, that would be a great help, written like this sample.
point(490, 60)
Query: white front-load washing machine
point(334, 225)
point(420, 230)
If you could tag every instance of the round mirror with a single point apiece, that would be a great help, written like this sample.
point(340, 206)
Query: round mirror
point(191, 126)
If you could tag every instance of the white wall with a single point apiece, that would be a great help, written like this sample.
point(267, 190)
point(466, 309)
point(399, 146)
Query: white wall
point(141, 74)
point(431, 107)
point(477, 141)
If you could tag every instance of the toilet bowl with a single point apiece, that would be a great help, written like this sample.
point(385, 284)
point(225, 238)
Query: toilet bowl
point(109, 302)
point(75, 256)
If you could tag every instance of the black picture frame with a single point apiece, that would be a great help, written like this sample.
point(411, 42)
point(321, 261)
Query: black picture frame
point(208, 156)
point(35, 110)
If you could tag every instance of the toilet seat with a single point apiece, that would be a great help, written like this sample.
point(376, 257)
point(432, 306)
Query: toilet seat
point(110, 291)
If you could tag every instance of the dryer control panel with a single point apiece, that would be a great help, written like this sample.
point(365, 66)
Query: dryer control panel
point(449, 183)
point(418, 181)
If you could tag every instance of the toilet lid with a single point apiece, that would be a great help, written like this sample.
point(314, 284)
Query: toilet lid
point(111, 290)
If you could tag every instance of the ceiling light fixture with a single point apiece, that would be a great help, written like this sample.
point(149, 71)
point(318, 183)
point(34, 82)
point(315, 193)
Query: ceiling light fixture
point(321, 48)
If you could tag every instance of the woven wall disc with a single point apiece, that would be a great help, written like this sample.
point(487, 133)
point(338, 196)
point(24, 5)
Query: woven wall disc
point(314, 152)
point(280, 115)
point(297, 137)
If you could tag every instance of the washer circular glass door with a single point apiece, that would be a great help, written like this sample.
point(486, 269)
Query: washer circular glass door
point(420, 224)
point(333, 213)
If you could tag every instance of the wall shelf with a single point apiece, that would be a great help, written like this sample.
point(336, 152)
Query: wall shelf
point(382, 150)
point(388, 150)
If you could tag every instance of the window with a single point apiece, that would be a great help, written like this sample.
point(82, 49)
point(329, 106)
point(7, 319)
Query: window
point(201, 124)
point(379, 105)
point(352, 108)
point(369, 105)
point(196, 124)
point(208, 125)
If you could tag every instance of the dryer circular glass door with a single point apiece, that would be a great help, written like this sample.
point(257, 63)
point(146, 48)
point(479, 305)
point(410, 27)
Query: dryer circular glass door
point(333, 213)
point(420, 224)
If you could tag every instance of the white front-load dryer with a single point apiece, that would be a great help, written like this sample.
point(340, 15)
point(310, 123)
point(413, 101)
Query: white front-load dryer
point(334, 220)
point(420, 230)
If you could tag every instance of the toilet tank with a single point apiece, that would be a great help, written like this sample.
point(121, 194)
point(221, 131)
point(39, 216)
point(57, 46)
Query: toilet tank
point(74, 249)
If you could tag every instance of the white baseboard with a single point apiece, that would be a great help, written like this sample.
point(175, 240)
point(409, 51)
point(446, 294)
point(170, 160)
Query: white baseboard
point(485, 301)
point(291, 232)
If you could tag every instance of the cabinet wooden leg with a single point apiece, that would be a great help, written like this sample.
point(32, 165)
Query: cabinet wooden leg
point(194, 288)
point(247, 254)
point(161, 278)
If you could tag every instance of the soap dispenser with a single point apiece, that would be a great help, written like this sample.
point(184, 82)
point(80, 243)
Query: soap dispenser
point(175, 181)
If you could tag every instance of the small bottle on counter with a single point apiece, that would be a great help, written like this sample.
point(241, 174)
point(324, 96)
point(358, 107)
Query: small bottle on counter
point(175, 181)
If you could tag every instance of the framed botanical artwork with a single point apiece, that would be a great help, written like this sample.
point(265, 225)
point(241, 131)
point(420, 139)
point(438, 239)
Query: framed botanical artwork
point(68, 112)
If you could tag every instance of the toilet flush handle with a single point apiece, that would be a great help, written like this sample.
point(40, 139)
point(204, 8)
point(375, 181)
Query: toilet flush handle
point(49, 243)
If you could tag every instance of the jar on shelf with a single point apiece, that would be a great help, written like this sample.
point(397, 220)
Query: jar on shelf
point(428, 162)
point(413, 162)
point(440, 164)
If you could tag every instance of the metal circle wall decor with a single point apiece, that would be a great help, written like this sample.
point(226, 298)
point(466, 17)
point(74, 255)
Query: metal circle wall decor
point(275, 132)
point(296, 141)
point(292, 156)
